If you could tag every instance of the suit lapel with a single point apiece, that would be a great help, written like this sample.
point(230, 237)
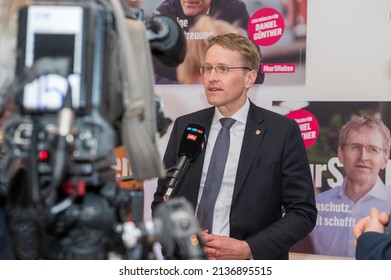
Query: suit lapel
point(253, 135)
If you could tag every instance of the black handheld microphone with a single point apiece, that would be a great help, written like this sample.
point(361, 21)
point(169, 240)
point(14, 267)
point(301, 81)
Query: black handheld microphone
point(192, 143)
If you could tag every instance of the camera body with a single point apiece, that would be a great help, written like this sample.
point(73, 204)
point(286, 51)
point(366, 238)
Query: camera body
point(55, 60)
point(80, 90)
point(57, 168)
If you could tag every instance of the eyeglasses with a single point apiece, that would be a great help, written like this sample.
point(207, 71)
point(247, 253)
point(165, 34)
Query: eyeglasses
point(206, 70)
point(356, 148)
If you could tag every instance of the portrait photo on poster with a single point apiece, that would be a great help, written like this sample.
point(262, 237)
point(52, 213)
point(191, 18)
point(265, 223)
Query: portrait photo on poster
point(348, 146)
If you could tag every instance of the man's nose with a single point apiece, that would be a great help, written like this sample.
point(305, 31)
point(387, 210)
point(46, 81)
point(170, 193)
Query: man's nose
point(213, 75)
point(364, 153)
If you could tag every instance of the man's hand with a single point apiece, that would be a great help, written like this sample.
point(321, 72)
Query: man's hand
point(219, 247)
point(376, 221)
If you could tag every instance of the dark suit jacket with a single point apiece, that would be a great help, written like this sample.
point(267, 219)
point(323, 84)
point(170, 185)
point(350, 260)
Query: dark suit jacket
point(273, 178)
point(6, 250)
point(373, 246)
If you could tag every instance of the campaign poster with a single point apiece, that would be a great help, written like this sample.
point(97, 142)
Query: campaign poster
point(123, 172)
point(133, 190)
point(277, 27)
point(344, 193)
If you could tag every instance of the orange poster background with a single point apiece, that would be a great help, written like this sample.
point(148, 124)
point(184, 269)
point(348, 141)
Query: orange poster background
point(123, 171)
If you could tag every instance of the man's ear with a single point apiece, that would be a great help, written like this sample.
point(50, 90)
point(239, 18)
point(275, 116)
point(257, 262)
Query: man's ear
point(340, 155)
point(385, 161)
point(251, 76)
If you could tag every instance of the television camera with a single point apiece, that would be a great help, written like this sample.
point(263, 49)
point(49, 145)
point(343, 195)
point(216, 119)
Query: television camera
point(83, 85)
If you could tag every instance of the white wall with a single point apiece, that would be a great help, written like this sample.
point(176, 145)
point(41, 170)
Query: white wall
point(348, 59)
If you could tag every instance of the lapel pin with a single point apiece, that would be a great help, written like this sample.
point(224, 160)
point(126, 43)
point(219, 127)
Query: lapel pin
point(257, 132)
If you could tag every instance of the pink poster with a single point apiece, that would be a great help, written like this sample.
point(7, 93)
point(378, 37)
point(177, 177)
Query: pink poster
point(277, 27)
point(348, 146)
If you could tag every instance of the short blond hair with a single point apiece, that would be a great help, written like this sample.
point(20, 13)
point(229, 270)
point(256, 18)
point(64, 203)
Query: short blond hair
point(365, 121)
point(248, 52)
point(195, 54)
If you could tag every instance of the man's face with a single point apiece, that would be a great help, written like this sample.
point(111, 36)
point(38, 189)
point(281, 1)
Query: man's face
point(227, 91)
point(363, 156)
point(195, 7)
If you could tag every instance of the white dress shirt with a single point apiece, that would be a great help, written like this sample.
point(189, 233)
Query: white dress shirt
point(224, 199)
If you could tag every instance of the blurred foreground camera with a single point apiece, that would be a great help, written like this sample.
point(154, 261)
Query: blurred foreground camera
point(82, 87)
point(174, 226)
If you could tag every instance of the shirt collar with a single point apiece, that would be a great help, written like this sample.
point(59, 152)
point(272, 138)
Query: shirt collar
point(239, 116)
point(378, 190)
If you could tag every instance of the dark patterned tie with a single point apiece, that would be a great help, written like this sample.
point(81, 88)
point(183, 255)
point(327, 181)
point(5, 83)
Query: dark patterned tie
point(214, 177)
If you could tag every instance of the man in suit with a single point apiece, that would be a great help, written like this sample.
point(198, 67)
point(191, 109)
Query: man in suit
point(371, 242)
point(266, 200)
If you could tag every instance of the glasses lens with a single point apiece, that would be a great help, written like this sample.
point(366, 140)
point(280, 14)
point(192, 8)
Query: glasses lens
point(358, 148)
